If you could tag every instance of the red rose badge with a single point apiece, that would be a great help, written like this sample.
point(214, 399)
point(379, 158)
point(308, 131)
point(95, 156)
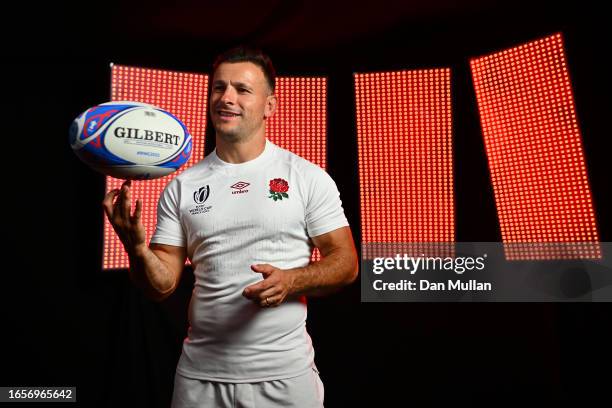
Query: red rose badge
point(278, 189)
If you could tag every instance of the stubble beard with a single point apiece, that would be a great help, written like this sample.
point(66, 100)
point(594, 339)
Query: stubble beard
point(232, 137)
point(236, 135)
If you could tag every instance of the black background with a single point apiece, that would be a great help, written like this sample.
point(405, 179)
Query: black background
point(67, 323)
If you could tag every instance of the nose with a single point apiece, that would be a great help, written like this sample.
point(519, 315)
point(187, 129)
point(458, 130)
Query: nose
point(229, 96)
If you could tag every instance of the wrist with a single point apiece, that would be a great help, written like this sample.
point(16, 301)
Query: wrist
point(138, 250)
point(292, 281)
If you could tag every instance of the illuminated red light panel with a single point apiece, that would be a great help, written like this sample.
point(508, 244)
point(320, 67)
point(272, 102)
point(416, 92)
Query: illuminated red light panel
point(404, 137)
point(300, 122)
point(534, 148)
point(182, 94)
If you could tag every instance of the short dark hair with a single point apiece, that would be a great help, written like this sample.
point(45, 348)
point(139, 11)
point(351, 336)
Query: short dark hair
point(245, 53)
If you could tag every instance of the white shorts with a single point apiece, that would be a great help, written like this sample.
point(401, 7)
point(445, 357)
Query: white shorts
point(305, 391)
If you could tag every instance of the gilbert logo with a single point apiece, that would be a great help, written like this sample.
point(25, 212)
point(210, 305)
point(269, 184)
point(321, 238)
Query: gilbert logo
point(201, 195)
point(240, 187)
point(145, 134)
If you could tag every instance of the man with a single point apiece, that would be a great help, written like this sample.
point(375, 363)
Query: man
point(247, 216)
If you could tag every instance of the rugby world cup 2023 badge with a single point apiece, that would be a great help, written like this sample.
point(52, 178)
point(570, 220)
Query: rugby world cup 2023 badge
point(200, 196)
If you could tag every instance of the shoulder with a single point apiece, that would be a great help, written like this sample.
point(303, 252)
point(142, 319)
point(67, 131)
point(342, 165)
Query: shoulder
point(304, 167)
point(314, 181)
point(198, 171)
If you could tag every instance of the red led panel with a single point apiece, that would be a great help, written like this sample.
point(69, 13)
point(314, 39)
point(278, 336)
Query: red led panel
point(534, 148)
point(404, 140)
point(182, 94)
point(300, 122)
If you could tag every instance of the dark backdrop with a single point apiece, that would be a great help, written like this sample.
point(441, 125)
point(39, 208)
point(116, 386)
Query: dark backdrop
point(67, 323)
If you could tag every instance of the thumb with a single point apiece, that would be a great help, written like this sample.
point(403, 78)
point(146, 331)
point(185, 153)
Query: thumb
point(265, 269)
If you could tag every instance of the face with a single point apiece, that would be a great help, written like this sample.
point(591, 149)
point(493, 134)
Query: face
point(240, 101)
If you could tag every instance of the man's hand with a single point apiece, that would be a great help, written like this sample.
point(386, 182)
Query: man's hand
point(273, 289)
point(128, 227)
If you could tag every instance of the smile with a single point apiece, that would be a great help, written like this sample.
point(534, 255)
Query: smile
point(226, 114)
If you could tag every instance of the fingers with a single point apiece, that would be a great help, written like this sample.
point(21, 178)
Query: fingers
point(120, 197)
point(107, 202)
point(126, 204)
point(270, 298)
point(137, 211)
point(265, 293)
point(119, 212)
point(253, 291)
point(128, 227)
point(271, 291)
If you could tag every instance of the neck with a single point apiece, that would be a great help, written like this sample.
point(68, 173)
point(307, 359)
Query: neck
point(240, 152)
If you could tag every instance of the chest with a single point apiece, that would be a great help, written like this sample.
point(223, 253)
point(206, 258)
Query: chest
point(263, 205)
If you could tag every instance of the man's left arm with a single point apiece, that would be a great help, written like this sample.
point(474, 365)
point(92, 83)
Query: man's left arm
point(338, 267)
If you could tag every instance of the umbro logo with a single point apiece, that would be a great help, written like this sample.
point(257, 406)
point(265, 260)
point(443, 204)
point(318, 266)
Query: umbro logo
point(240, 187)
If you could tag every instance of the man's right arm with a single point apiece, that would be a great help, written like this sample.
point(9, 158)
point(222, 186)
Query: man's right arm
point(155, 270)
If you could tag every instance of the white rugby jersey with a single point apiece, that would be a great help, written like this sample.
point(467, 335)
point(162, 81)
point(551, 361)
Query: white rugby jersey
point(229, 217)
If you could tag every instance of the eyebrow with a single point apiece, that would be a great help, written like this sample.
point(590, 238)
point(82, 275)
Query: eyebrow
point(242, 84)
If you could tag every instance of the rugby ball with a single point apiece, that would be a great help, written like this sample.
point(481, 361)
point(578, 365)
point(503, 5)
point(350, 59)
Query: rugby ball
point(130, 140)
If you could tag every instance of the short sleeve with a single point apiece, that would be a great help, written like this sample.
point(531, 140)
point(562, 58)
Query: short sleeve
point(324, 212)
point(169, 229)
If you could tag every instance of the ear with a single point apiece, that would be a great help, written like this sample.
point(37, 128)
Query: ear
point(270, 106)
